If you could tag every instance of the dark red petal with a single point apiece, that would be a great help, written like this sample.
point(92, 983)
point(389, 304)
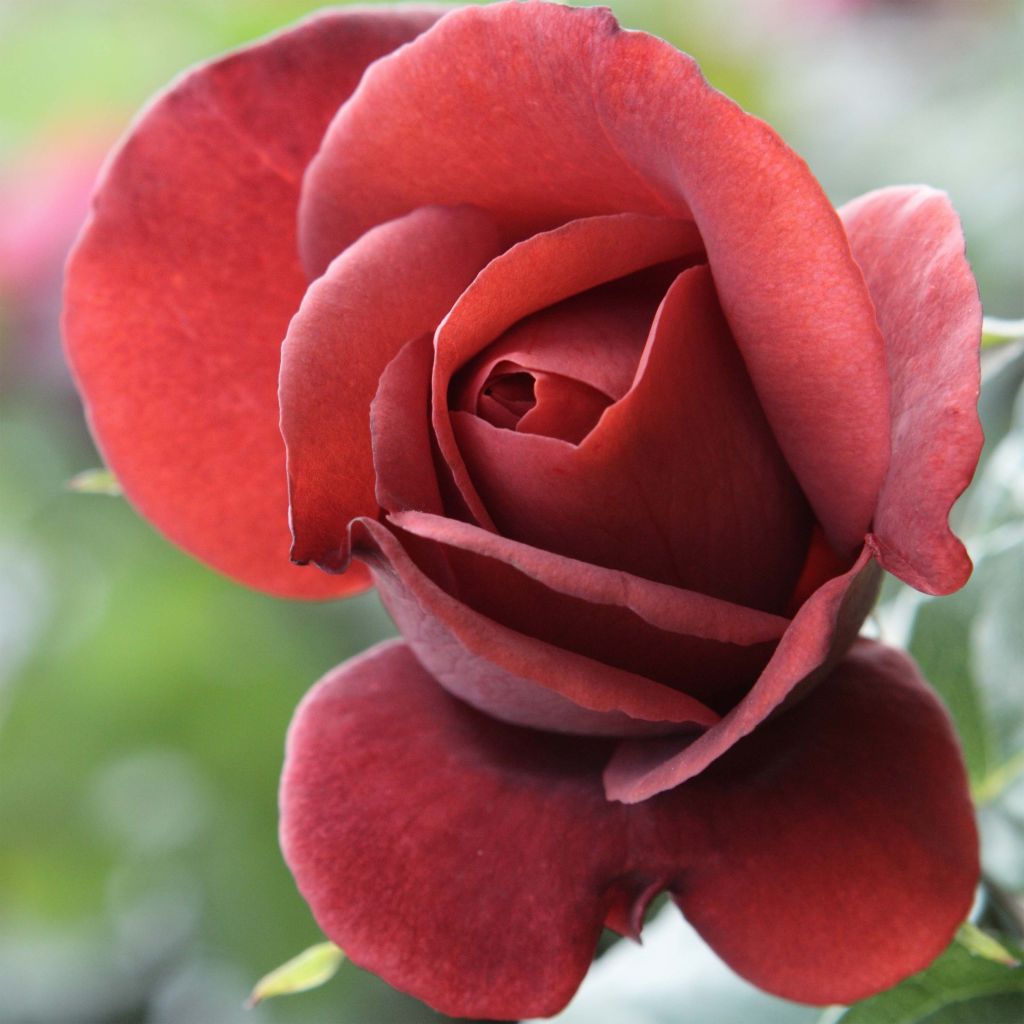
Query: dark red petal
point(681, 481)
point(821, 632)
point(556, 114)
point(596, 337)
point(846, 851)
point(180, 291)
point(452, 855)
point(515, 132)
point(707, 648)
point(413, 824)
point(565, 408)
point(400, 428)
point(531, 276)
point(515, 677)
point(395, 284)
point(668, 608)
point(909, 244)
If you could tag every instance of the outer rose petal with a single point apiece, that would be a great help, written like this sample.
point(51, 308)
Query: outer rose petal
point(822, 630)
point(395, 284)
point(846, 848)
point(181, 288)
point(452, 855)
point(909, 244)
point(556, 114)
point(511, 676)
point(413, 823)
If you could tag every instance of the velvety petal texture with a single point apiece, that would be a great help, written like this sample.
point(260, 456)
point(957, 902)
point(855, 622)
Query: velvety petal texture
point(691, 486)
point(395, 284)
point(909, 244)
point(412, 823)
point(181, 287)
point(599, 137)
point(513, 676)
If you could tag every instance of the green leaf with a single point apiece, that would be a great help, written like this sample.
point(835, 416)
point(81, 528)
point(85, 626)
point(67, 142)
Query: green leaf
point(985, 945)
point(310, 968)
point(999, 780)
point(966, 985)
point(997, 331)
point(95, 481)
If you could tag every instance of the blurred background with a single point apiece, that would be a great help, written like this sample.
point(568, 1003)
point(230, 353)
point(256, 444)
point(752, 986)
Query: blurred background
point(144, 700)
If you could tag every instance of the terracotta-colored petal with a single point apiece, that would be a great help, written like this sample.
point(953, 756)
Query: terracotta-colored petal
point(531, 276)
point(395, 284)
point(710, 649)
point(556, 114)
point(400, 427)
point(681, 481)
point(514, 132)
point(181, 287)
point(845, 848)
point(565, 408)
point(511, 676)
point(664, 607)
point(413, 823)
point(596, 337)
point(819, 635)
point(910, 246)
point(452, 855)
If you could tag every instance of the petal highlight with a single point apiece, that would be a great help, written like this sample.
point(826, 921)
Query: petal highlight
point(181, 287)
point(910, 246)
point(393, 285)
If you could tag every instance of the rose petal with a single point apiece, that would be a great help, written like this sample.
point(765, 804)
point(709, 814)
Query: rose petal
point(909, 244)
point(403, 457)
point(556, 114)
point(451, 855)
point(533, 275)
point(690, 487)
point(821, 632)
point(846, 851)
point(514, 132)
point(413, 823)
point(596, 337)
point(565, 408)
point(180, 290)
point(396, 283)
point(509, 675)
point(707, 648)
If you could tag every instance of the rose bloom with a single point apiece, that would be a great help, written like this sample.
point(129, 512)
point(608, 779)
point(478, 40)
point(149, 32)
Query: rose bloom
point(573, 359)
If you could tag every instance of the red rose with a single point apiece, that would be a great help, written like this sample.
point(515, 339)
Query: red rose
point(623, 419)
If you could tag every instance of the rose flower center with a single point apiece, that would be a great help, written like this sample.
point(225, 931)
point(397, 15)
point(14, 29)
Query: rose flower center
point(555, 372)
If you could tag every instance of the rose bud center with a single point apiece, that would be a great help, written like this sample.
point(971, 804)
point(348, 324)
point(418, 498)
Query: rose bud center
point(555, 372)
point(632, 398)
point(536, 402)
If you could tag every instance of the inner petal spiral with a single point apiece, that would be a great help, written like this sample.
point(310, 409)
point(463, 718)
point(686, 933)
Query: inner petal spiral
point(555, 372)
